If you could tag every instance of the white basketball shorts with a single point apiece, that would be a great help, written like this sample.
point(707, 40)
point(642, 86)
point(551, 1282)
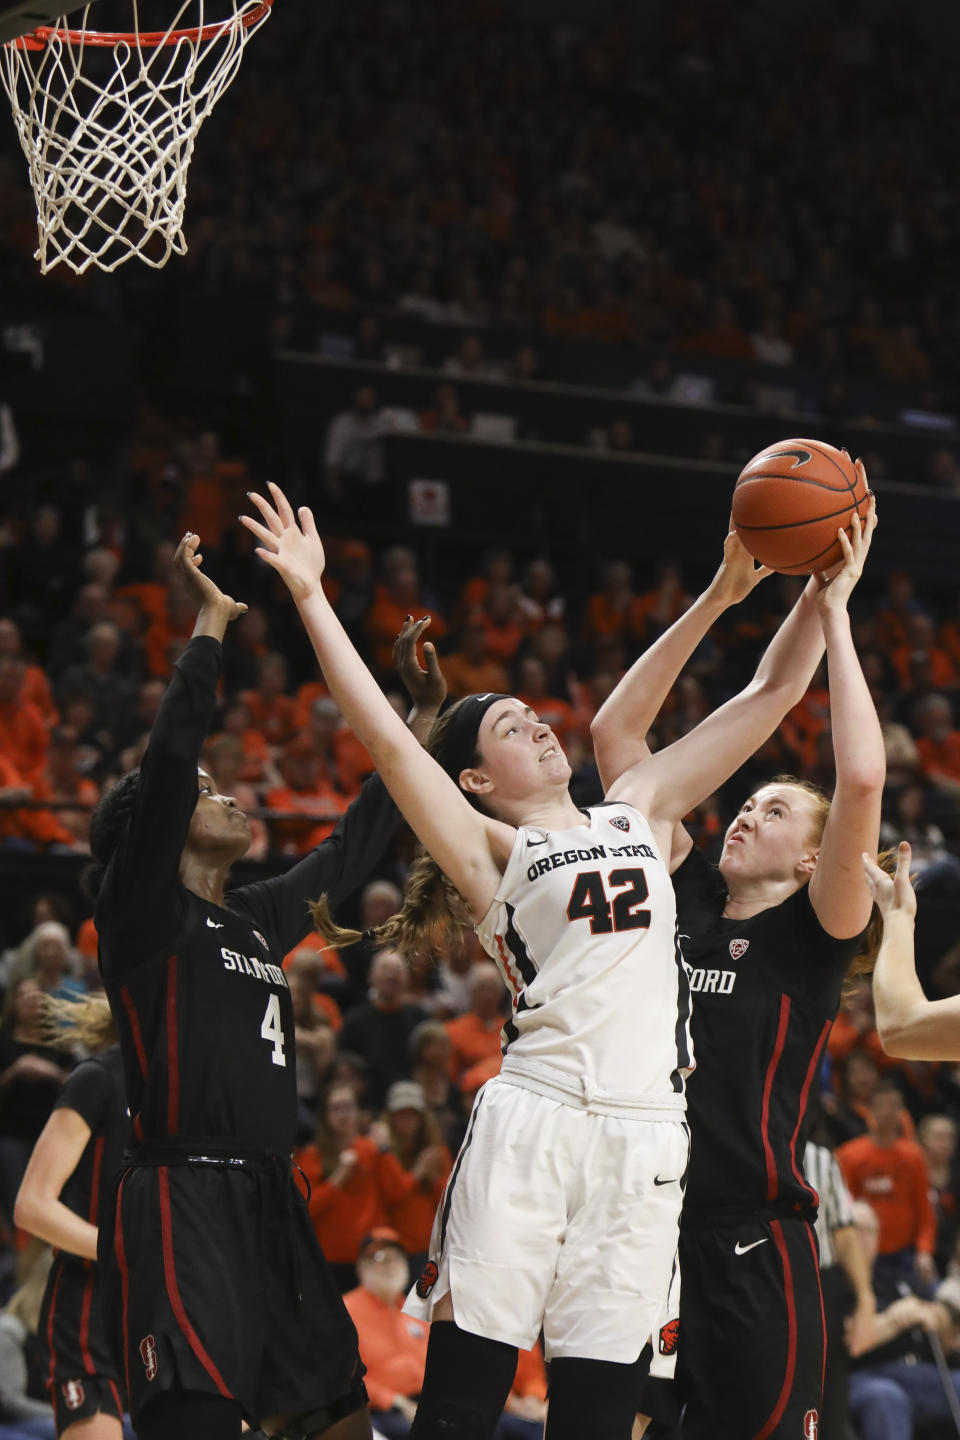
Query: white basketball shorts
point(557, 1217)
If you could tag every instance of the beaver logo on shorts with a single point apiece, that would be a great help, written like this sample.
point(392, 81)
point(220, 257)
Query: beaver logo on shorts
point(669, 1337)
point(73, 1394)
point(738, 948)
point(811, 1425)
point(620, 822)
point(429, 1276)
point(148, 1354)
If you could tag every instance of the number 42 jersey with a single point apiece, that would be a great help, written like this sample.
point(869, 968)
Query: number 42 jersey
point(583, 930)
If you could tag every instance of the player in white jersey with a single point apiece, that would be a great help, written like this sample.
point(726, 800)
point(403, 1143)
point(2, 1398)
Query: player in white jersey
point(562, 1208)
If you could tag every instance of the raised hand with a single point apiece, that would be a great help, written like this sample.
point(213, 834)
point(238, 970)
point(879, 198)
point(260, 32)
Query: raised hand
point(201, 589)
point(892, 892)
point(835, 586)
point(739, 573)
point(288, 542)
point(426, 688)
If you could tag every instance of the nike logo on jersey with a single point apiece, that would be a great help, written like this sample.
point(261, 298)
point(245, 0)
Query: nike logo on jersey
point(534, 838)
point(215, 924)
point(739, 1249)
point(658, 1181)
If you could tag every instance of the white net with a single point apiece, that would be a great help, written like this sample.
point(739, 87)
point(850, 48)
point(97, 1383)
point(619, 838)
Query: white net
point(108, 123)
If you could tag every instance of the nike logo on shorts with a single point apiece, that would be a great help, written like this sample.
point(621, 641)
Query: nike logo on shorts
point(215, 924)
point(739, 1249)
point(658, 1181)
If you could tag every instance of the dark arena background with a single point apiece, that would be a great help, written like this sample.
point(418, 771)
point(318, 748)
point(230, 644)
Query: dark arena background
point(508, 291)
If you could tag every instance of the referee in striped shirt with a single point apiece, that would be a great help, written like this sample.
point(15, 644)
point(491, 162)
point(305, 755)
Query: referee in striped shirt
point(848, 1299)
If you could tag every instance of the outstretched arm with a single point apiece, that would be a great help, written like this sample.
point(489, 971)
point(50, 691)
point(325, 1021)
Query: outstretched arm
point(457, 836)
point(910, 1026)
point(838, 893)
point(620, 725)
point(671, 782)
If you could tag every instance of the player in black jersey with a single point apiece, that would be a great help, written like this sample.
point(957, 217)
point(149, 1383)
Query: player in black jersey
point(223, 1302)
point(78, 1151)
point(767, 943)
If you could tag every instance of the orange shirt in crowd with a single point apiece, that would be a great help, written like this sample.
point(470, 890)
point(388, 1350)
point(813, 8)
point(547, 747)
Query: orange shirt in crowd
point(941, 757)
point(894, 1180)
point(385, 621)
point(302, 834)
point(76, 823)
point(312, 690)
point(152, 598)
point(275, 718)
point(553, 711)
point(531, 1376)
point(503, 641)
point(410, 1206)
point(393, 1346)
point(328, 957)
point(39, 826)
point(471, 1040)
point(943, 673)
point(464, 678)
point(36, 691)
point(628, 620)
point(343, 1215)
point(845, 1038)
point(24, 738)
point(87, 939)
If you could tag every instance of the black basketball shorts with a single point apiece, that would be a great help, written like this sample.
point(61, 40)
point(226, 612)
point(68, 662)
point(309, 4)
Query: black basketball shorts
point(750, 1360)
point(217, 1284)
point(81, 1376)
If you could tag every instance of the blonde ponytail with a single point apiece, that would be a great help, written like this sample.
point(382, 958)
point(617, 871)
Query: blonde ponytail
point(86, 1023)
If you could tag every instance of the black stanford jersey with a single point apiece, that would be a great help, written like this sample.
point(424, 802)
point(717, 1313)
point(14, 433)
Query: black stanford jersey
point(95, 1090)
point(197, 991)
point(765, 993)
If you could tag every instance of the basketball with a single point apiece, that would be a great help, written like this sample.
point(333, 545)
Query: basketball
point(791, 499)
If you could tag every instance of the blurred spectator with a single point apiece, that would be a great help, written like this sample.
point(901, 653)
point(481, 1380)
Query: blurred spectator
point(938, 1136)
point(100, 680)
point(470, 362)
point(397, 596)
point(613, 609)
point(31, 1075)
point(770, 346)
point(893, 619)
point(245, 645)
point(619, 437)
point(36, 686)
point(931, 865)
point(895, 1384)
point(540, 600)
point(445, 416)
point(257, 767)
point(497, 571)
point(475, 1035)
point(471, 670)
point(304, 792)
point(62, 781)
point(316, 1041)
point(921, 643)
point(23, 734)
point(353, 455)
point(891, 1174)
point(414, 1168)
point(22, 1417)
point(430, 1067)
point(380, 1029)
point(503, 621)
point(393, 1346)
point(938, 742)
point(341, 1167)
point(272, 711)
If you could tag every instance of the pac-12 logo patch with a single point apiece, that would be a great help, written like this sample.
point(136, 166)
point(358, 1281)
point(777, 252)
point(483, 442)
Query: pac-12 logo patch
point(669, 1337)
point(429, 1276)
point(73, 1394)
point(738, 948)
point(148, 1354)
point(811, 1425)
point(262, 941)
point(620, 822)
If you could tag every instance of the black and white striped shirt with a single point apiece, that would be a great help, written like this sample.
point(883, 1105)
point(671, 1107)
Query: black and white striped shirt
point(836, 1205)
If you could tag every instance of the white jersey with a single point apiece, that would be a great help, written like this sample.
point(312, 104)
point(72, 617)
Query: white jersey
point(583, 929)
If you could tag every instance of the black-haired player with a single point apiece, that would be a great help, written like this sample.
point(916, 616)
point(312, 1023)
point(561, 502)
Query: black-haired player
point(222, 1298)
point(767, 944)
point(77, 1153)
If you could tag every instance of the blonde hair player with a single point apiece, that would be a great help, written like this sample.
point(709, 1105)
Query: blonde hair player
point(767, 943)
point(563, 1204)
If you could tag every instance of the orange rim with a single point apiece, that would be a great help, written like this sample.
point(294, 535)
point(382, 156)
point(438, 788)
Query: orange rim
point(147, 40)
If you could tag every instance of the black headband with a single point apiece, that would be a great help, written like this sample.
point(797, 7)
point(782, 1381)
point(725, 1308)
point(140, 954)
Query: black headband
point(459, 747)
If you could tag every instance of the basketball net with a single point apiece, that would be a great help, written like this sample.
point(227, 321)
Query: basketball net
point(108, 123)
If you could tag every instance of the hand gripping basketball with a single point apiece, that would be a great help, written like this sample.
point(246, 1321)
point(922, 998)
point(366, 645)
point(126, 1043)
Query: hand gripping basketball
point(791, 499)
point(835, 588)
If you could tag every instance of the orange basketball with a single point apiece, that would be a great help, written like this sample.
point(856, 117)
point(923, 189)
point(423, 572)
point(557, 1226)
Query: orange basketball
point(791, 500)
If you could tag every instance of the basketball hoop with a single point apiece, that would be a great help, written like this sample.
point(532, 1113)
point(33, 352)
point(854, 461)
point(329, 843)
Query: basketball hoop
point(107, 121)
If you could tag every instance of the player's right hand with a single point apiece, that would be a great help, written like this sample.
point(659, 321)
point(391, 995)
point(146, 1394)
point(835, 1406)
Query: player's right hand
point(201, 589)
point(288, 542)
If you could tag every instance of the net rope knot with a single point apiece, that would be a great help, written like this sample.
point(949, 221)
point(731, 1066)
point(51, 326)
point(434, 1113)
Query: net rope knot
point(108, 122)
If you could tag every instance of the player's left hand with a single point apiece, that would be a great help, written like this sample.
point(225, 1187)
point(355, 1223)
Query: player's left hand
point(427, 688)
point(892, 893)
point(289, 543)
point(836, 586)
point(739, 573)
point(203, 591)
